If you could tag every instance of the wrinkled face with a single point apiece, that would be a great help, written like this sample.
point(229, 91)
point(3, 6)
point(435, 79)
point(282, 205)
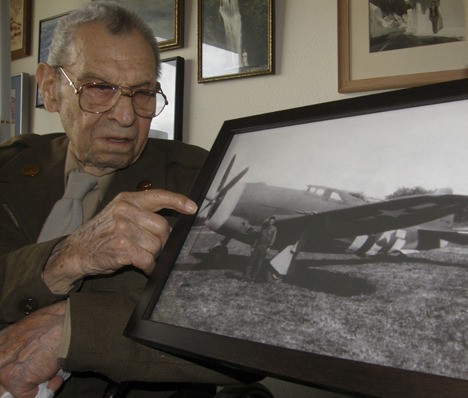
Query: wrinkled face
point(116, 138)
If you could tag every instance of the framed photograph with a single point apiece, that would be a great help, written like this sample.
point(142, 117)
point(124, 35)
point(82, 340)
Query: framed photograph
point(165, 17)
point(235, 39)
point(46, 31)
point(329, 249)
point(20, 103)
point(169, 123)
point(20, 28)
point(387, 45)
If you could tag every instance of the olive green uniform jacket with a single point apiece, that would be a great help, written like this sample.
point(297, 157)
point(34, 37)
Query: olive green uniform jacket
point(31, 181)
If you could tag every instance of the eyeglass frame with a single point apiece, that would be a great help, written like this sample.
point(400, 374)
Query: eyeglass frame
point(124, 90)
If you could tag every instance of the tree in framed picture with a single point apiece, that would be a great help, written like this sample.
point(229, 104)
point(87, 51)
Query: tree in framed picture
point(235, 39)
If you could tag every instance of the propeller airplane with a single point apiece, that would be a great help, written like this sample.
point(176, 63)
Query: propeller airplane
point(321, 219)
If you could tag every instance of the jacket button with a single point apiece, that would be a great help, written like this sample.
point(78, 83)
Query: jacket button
point(30, 170)
point(28, 306)
point(144, 185)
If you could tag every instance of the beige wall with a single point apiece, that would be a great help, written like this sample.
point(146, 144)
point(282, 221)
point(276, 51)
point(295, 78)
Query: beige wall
point(306, 73)
point(306, 69)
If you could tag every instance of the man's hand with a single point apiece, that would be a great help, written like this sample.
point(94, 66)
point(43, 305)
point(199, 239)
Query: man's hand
point(126, 232)
point(29, 352)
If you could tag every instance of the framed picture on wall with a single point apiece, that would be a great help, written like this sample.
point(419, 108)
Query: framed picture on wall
point(235, 39)
point(387, 45)
point(20, 28)
point(329, 248)
point(165, 17)
point(20, 103)
point(46, 31)
point(168, 124)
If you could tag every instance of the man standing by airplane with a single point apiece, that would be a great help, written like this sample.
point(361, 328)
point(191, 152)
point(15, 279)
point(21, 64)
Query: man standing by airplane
point(265, 240)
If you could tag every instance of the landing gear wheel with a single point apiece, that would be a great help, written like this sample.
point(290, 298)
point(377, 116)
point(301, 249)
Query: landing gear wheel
point(272, 276)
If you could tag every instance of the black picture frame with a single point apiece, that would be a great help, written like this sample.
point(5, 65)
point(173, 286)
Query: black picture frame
point(223, 53)
point(165, 17)
point(46, 30)
point(370, 326)
point(169, 123)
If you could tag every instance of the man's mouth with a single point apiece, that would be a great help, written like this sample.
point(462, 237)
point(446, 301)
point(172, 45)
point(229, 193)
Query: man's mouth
point(118, 140)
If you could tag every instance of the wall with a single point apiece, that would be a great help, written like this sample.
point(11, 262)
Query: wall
point(306, 73)
point(306, 69)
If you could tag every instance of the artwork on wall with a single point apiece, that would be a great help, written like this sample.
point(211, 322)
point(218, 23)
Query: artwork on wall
point(46, 31)
point(20, 28)
point(327, 250)
point(20, 103)
point(168, 124)
point(386, 45)
point(235, 39)
point(165, 17)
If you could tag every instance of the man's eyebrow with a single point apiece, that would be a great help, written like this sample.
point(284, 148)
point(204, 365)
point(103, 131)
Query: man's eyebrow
point(88, 76)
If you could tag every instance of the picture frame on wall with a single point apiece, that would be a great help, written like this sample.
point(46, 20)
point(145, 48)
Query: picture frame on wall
point(235, 39)
point(169, 124)
point(165, 17)
point(20, 103)
point(317, 258)
point(380, 48)
point(20, 28)
point(46, 30)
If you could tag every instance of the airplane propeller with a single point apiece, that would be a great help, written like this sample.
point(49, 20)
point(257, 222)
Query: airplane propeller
point(223, 188)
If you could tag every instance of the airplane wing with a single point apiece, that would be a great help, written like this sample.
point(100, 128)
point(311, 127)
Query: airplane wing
point(367, 219)
point(392, 214)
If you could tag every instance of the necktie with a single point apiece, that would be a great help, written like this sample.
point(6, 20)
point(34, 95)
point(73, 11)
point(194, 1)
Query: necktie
point(67, 213)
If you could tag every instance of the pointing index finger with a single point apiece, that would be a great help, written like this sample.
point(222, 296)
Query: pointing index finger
point(157, 199)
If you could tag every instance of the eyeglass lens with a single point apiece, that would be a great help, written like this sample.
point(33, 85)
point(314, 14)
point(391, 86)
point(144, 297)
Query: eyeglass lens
point(99, 98)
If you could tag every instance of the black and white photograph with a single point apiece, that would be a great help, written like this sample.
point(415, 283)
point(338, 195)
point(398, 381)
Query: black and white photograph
point(388, 44)
point(165, 17)
point(341, 234)
point(235, 39)
point(371, 242)
point(401, 24)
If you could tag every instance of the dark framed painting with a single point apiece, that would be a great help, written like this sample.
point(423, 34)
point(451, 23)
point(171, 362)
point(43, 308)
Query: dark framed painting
point(165, 17)
point(20, 28)
point(330, 248)
point(235, 39)
point(20, 103)
point(46, 30)
point(169, 123)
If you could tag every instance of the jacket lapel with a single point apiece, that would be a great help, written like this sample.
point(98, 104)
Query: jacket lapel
point(27, 176)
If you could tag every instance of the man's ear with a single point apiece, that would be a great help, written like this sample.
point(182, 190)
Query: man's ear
point(46, 79)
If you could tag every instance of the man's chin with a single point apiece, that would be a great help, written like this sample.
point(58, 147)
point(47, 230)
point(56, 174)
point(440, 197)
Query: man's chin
point(106, 165)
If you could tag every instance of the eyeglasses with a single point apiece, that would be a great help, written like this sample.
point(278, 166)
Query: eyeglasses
point(101, 97)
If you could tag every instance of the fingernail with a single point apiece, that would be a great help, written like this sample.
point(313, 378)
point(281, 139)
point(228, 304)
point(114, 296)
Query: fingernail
point(191, 206)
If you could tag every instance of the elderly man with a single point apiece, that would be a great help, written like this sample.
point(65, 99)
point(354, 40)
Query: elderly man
point(65, 300)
